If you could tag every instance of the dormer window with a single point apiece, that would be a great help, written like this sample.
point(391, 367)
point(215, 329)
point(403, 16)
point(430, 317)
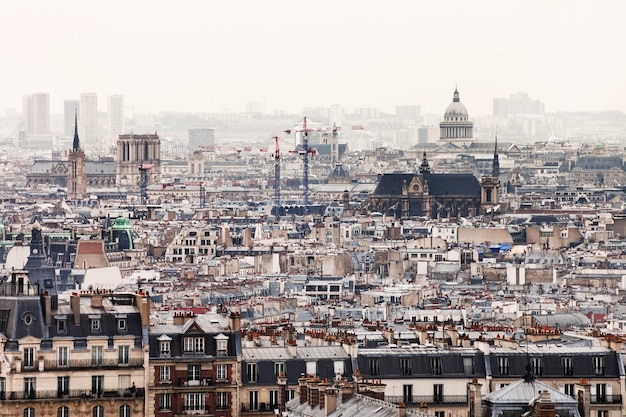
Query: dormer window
point(61, 326)
point(121, 325)
point(95, 325)
point(222, 344)
point(165, 348)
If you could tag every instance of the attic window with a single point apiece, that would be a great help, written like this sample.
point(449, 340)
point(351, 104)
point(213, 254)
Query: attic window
point(95, 325)
point(61, 326)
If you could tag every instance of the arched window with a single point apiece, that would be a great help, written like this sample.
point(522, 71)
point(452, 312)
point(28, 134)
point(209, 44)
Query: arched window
point(29, 412)
point(125, 410)
point(97, 411)
point(63, 411)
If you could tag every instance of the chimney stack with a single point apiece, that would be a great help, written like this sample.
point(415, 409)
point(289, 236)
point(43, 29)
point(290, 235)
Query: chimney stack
point(234, 321)
point(330, 400)
point(47, 308)
point(304, 394)
point(475, 398)
point(544, 406)
point(75, 305)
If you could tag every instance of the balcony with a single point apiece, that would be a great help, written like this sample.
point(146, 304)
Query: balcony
point(200, 411)
point(73, 394)
point(417, 400)
point(606, 399)
point(88, 363)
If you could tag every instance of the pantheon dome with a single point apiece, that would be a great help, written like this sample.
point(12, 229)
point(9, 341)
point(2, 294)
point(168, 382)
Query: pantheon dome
point(456, 111)
point(456, 126)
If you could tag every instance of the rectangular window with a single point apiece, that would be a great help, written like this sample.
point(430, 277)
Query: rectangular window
point(253, 400)
point(97, 384)
point(30, 387)
point(567, 365)
point(279, 369)
point(29, 357)
point(435, 364)
point(311, 368)
point(165, 402)
point(598, 365)
point(188, 344)
point(407, 393)
point(121, 325)
point(503, 365)
point(123, 355)
point(164, 373)
point(438, 393)
point(199, 344)
point(193, 374)
point(273, 399)
point(63, 355)
point(600, 393)
point(194, 402)
point(63, 386)
point(374, 366)
point(165, 348)
point(222, 372)
point(96, 355)
point(405, 366)
point(468, 365)
point(222, 347)
point(222, 401)
point(536, 366)
point(603, 413)
point(253, 373)
point(95, 325)
point(61, 326)
point(570, 390)
point(291, 394)
point(440, 414)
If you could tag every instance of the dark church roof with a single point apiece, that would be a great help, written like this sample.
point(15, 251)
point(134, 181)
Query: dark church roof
point(438, 184)
point(453, 184)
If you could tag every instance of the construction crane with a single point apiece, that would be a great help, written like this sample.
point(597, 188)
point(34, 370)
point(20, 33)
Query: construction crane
point(277, 179)
point(143, 182)
point(304, 154)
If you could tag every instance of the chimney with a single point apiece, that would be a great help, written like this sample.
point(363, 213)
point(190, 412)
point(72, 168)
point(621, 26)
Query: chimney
point(475, 398)
point(47, 308)
point(96, 300)
point(544, 406)
point(314, 393)
point(143, 303)
point(346, 391)
point(234, 321)
point(330, 400)
point(282, 391)
point(583, 394)
point(401, 409)
point(377, 390)
point(304, 393)
point(75, 305)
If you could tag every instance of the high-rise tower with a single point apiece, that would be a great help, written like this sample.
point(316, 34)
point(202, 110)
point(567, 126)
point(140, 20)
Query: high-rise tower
point(115, 118)
point(89, 118)
point(36, 113)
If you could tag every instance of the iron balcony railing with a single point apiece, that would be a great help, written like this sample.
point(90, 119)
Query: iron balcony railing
point(51, 394)
point(606, 399)
point(89, 363)
point(417, 400)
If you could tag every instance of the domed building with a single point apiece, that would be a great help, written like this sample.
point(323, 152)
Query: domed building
point(456, 126)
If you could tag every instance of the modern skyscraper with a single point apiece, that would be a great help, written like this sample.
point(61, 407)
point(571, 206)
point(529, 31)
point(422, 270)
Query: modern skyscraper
point(36, 113)
point(70, 109)
point(115, 118)
point(89, 118)
point(516, 105)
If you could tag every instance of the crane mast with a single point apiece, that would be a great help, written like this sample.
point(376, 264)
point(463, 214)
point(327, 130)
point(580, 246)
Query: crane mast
point(305, 180)
point(276, 179)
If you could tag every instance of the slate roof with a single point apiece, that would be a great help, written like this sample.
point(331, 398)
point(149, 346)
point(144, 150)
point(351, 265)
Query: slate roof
point(356, 406)
point(438, 184)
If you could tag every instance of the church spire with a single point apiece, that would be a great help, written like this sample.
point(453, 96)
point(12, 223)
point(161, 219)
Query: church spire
point(495, 171)
point(76, 143)
point(424, 167)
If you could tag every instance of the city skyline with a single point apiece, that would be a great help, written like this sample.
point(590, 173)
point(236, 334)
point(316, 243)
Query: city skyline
point(216, 57)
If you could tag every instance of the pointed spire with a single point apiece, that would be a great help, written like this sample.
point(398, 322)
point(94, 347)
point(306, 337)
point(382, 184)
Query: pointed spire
point(424, 167)
point(76, 143)
point(495, 170)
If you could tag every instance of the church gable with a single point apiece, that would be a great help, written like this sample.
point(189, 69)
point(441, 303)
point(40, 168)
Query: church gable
point(415, 186)
point(60, 168)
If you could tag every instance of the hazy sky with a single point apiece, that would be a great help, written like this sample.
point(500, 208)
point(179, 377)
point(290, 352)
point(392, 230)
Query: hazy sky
point(212, 55)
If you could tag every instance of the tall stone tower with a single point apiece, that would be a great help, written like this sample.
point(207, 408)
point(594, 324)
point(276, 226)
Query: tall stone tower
point(76, 172)
point(133, 151)
point(490, 185)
